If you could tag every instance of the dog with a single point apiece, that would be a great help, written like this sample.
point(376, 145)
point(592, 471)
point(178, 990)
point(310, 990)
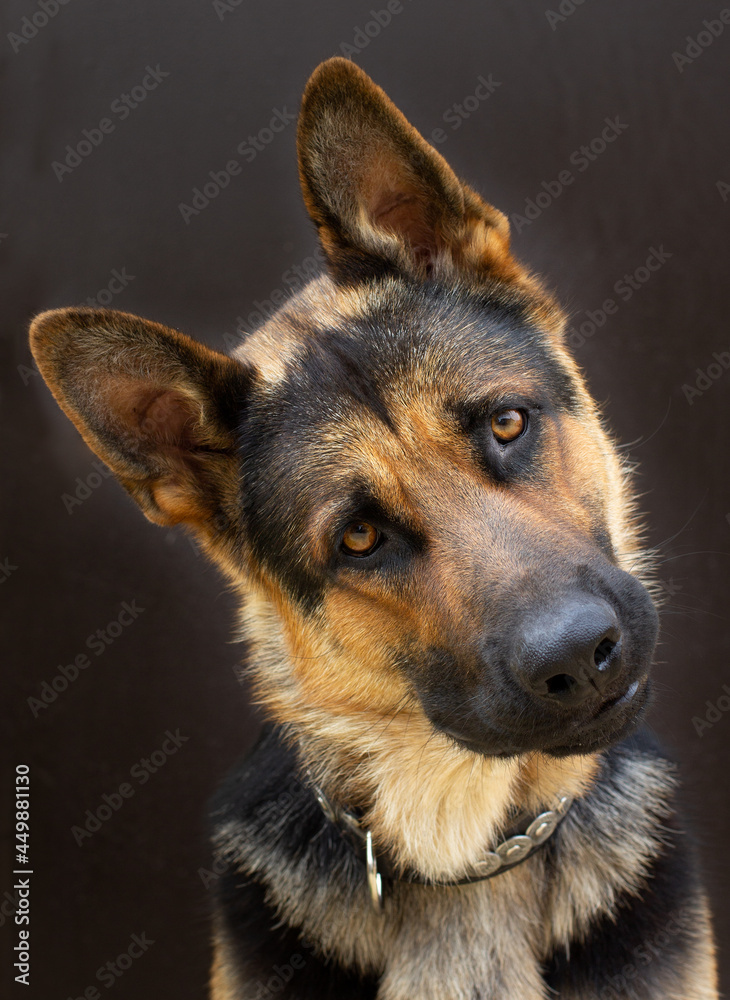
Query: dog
point(445, 597)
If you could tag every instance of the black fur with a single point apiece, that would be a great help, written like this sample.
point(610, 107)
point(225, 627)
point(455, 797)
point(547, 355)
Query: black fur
point(287, 472)
point(490, 597)
point(265, 789)
point(643, 946)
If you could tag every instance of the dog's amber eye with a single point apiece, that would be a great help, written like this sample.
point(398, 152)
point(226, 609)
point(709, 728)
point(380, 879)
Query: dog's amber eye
point(507, 425)
point(360, 538)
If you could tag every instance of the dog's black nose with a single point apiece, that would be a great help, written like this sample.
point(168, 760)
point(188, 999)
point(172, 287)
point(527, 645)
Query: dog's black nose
point(570, 654)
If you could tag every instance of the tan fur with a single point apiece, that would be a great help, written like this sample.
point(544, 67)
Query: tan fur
point(224, 981)
point(438, 807)
point(390, 182)
point(274, 348)
point(161, 410)
point(361, 729)
point(701, 981)
point(424, 945)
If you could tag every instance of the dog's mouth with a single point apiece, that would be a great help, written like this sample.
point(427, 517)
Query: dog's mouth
point(613, 720)
point(622, 699)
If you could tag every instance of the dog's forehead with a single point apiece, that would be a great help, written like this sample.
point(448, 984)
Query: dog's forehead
point(336, 354)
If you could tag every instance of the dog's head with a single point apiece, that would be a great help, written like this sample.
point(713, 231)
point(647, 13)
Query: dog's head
point(402, 469)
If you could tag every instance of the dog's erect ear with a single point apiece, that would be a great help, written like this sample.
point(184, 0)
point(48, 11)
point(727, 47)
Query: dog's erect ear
point(157, 407)
point(382, 198)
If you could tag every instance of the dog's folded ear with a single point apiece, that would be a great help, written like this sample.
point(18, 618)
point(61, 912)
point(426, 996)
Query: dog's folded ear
point(160, 409)
point(382, 198)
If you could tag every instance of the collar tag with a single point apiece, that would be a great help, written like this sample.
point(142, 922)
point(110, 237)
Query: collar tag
point(506, 855)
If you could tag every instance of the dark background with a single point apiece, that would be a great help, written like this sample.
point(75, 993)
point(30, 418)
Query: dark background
point(67, 573)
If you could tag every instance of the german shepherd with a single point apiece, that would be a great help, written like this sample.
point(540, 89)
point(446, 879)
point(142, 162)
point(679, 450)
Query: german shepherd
point(445, 596)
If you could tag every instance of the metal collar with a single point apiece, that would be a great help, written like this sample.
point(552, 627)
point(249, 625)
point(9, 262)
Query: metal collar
point(511, 851)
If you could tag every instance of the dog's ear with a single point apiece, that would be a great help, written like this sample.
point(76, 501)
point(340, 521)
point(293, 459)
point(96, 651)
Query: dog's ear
point(384, 200)
point(157, 407)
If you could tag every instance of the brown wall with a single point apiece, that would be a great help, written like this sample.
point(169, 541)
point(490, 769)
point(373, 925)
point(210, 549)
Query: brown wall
point(67, 572)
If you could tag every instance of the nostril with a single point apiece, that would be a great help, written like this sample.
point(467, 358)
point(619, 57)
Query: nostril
point(570, 654)
point(560, 684)
point(602, 653)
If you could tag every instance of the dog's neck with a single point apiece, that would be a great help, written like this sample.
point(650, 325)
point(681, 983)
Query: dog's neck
point(433, 806)
point(436, 808)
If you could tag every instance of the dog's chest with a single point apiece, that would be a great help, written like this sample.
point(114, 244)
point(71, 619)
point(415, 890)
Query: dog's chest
point(489, 939)
point(483, 940)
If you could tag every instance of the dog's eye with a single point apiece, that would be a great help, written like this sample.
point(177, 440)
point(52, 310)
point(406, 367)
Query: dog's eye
point(360, 538)
point(507, 425)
